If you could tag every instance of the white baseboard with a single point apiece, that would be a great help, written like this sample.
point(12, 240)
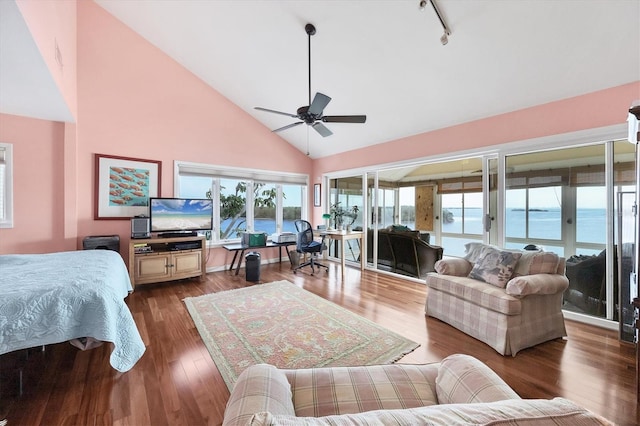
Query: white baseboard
point(588, 319)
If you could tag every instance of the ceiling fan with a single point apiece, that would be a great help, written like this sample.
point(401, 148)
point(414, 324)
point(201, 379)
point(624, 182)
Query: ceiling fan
point(312, 113)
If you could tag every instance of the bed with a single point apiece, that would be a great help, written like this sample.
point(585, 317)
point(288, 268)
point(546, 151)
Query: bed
point(68, 296)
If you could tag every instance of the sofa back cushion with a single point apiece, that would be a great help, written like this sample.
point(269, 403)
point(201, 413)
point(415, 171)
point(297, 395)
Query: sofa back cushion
point(495, 266)
point(537, 262)
point(344, 390)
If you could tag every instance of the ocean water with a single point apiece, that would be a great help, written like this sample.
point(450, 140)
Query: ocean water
point(543, 224)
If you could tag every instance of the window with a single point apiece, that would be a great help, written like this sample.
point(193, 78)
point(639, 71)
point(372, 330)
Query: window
point(245, 199)
point(6, 186)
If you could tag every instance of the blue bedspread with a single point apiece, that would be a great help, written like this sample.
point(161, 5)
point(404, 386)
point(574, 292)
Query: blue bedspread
point(55, 297)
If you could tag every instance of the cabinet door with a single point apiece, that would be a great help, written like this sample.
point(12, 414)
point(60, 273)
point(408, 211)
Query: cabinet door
point(152, 267)
point(187, 264)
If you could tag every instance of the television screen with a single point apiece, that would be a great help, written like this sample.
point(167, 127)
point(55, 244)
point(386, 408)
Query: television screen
point(180, 214)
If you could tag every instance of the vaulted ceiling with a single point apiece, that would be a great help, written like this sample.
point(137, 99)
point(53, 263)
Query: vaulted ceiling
point(385, 58)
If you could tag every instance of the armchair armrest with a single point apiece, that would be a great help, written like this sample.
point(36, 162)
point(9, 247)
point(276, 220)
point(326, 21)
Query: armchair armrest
point(537, 284)
point(455, 266)
point(259, 388)
point(464, 379)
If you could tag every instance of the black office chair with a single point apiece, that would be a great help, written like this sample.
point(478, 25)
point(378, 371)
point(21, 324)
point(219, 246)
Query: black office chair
point(306, 244)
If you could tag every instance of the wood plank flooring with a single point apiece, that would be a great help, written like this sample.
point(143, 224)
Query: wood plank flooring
point(177, 383)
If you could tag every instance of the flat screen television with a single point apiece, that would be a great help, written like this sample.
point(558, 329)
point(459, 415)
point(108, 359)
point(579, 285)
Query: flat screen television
point(173, 215)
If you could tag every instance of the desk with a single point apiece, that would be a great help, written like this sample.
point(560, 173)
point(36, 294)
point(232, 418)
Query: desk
point(342, 237)
point(240, 248)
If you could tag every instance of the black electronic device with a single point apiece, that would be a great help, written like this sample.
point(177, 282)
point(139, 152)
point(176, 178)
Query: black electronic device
point(170, 216)
point(177, 234)
point(140, 226)
point(101, 242)
point(185, 245)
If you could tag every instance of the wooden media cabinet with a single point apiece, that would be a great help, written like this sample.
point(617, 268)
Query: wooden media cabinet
point(154, 260)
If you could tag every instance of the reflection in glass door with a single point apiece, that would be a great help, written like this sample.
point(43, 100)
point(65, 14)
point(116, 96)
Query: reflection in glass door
point(625, 240)
point(345, 194)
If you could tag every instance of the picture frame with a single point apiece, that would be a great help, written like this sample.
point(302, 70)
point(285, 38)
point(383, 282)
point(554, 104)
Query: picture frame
point(123, 186)
point(317, 195)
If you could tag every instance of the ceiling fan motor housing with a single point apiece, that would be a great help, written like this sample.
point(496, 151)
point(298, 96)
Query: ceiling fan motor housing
point(303, 114)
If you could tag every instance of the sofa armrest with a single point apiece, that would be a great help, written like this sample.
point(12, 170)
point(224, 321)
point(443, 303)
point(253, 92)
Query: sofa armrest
point(463, 379)
point(537, 284)
point(259, 388)
point(455, 266)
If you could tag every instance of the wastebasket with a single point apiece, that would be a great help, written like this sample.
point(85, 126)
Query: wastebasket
point(252, 266)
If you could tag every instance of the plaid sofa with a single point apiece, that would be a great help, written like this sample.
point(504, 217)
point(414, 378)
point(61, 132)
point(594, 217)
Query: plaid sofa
point(459, 390)
point(522, 310)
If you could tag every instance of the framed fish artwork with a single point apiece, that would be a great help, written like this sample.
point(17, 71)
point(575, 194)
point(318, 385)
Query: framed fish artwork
point(124, 185)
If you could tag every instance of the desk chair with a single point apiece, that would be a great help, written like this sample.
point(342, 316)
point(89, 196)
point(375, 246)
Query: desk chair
point(306, 244)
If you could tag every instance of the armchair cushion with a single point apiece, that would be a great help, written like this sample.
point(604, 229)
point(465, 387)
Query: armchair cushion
point(512, 412)
point(346, 390)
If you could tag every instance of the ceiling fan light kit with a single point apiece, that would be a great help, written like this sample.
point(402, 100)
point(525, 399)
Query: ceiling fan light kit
point(312, 114)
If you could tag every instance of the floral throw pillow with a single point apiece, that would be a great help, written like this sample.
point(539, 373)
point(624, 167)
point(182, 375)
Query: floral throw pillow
point(495, 266)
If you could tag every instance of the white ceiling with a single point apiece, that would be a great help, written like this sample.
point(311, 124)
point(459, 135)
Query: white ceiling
point(26, 86)
point(384, 58)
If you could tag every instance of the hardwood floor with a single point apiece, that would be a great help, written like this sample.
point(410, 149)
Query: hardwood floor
point(176, 382)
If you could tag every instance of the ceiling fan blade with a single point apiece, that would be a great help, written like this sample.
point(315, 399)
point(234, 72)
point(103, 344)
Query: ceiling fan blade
point(319, 102)
point(288, 126)
point(322, 129)
point(276, 112)
point(344, 118)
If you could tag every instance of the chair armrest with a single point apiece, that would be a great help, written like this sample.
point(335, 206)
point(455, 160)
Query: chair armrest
point(455, 266)
point(464, 379)
point(537, 284)
point(259, 388)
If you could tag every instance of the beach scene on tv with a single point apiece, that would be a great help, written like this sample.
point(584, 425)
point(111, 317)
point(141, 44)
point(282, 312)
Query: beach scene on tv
point(175, 214)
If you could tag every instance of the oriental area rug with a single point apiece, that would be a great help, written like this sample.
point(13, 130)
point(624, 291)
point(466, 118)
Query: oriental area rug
point(286, 326)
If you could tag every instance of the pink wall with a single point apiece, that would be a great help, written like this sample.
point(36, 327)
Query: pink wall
point(53, 23)
point(135, 101)
point(39, 186)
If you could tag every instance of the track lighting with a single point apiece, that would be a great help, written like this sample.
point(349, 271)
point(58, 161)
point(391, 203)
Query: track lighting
point(445, 37)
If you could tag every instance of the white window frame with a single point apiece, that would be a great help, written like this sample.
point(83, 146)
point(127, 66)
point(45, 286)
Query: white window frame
point(6, 185)
point(251, 176)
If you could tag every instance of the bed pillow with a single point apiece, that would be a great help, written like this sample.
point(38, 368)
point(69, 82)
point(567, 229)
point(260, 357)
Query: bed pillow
point(495, 266)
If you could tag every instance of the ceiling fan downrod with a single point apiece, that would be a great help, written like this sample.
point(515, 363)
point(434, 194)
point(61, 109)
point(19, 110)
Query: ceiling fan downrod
point(311, 30)
point(313, 113)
